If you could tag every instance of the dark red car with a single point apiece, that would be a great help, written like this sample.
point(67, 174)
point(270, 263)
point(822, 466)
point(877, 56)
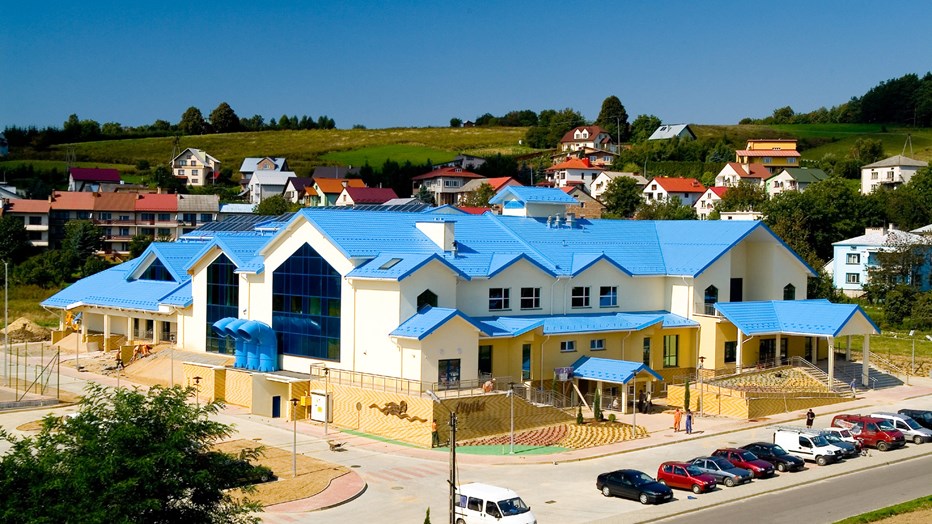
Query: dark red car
point(743, 458)
point(683, 475)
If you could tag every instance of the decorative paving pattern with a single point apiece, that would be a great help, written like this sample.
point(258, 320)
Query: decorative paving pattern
point(571, 436)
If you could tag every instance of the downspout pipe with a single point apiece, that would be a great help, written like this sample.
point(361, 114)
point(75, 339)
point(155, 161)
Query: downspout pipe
point(219, 328)
point(248, 356)
point(263, 337)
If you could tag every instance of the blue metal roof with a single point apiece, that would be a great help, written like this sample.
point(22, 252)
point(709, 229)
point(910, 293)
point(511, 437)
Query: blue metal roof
point(610, 370)
point(110, 288)
point(804, 317)
point(427, 320)
point(174, 255)
point(242, 250)
point(586, 323)
point(533, 195)
point(400, 266)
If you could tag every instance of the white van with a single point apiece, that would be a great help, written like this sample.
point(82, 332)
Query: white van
point(907, 426)
point(478, 503)
point(807, 445)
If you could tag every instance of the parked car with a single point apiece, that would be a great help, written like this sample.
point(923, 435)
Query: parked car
point(682, 475)
point(633, 484)
point(807, 445)
point(476, 502)
point(844, 435)
point(873, 432)
point(776, 455)
point(747, 460)
point(848, 449)
point(910, 429)
point(923, 417)
point(724, 472)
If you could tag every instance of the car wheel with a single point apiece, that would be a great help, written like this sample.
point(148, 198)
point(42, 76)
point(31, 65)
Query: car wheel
point(917, 439)
point(460, 521)
point(882, 446)
point(730, 482)
point(821, 460)
point(643, 498)
point(606, 492)
point(781, 467)
point(697, 489)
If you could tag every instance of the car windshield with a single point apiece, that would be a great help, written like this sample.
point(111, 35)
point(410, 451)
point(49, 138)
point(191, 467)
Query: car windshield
point(640, 478)
point(747, 455)
point(514, 506)
point(693, 470)
point(885, 425)
point(722, 463)
point(831, 437)
point(845, 433)
point(911, 423)
point(819, 440)
point(777, 450)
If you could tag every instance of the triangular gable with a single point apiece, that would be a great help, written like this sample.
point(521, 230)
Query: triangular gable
point(502, 261)
point(400, 266)
point(583, 261)
point(757, 225)
point(798, 317)
point(428, 320)
point(153, 254)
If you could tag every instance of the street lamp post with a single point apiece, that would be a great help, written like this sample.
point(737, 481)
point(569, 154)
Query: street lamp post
point(699, 372)
point(197, 391)
point(172, 356)
point(326, 400)
point(511, 393)
point(294, 440)
point(452, 481)
point(913, 366)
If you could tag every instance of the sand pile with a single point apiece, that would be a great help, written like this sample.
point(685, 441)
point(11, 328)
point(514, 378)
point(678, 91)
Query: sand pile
point(24, 330)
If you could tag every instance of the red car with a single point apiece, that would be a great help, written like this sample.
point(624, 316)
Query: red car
point(685, 476)
point(743, 458)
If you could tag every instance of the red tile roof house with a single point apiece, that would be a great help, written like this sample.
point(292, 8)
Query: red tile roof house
point(365, 195)
point(582, 137)
point(445, 183)
point(688, 190)
point(708, 200)
point(734, 173)
point(573, 171)
point(157, 216)
point(92, 179)
point(35, 217)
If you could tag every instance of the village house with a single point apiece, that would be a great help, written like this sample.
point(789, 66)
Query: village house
point(196, 167)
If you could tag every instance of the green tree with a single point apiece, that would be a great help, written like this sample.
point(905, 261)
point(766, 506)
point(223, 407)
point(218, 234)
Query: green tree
point(898, 304)
point(622, 197)
point(138, 244)
point(667, 209)
point(597, 405)
point(93, 264)
point(867, 150)
point(82, 239)
point(645, 125)
point(614, 118)
point(273, 206)
point(454, 122)
point(192, 122)
point(224, 120)
point(48, 270)
point(480, 197)
point(686, 395)
point(14, 241)
point(743, 197)
point(900, 263)
point(128, 456)
point(162, 177)
point(424, 195)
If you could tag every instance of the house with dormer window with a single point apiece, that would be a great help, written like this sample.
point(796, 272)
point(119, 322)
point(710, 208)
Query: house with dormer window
point(591, 137)
point(445, 184)
point(773, 153)
point(196, 167)
point(687, 190)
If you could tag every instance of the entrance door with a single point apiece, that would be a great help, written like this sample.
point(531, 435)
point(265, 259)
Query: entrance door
point(526, 362)
point(737, 290)
point(276, 406)
point(485, 363)
point(768, 350)
point(449, 373)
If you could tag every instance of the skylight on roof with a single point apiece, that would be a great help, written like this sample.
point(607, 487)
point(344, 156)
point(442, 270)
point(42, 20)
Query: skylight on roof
point(390, 264)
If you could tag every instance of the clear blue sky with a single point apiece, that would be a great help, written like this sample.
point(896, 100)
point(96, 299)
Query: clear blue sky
point(406, 63)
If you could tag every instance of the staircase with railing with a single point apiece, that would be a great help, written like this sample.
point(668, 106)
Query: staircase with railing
point(837, 385)
point(881, 374)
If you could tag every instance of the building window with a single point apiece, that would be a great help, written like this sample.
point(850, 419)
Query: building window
point(597, 344)
point(768, 350)
point(485, 360)
point(645, 355)
point(156, 271)
point(105, 216)
point(567, 346)
point(767, 160)
point(35, 221)
point(530, 298)
point(853, 258)
point(306, 294)
point(207, 217)
point(608, 296)
point(448, 373)
point(580, 297)
point(789, 292)
point(731, 351)
point(222, 301)
point(427, 298)
point(525, 362)
point(790, 160)
point(710, 298)
point(852, 278)
point(671, 351)
point(181, 172)
point(499, 298)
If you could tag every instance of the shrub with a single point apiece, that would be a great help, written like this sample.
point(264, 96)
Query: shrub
point(686, 396)
point(579, 417)
point(611, 417)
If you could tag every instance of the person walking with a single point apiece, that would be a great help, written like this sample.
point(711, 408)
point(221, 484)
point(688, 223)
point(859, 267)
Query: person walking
point(650, 404)
point(810, 418)
point(434, 436)
point(689, 422)
point(641, 401)
point(677, 416)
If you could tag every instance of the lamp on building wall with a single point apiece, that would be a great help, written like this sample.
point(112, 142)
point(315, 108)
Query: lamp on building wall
point(452, 481)
point(294, 438)
point(197, 391)
point(326, 401)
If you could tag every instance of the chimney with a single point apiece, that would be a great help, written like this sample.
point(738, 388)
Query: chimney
point(570, 220)
point(441, 231)
point(345, 183)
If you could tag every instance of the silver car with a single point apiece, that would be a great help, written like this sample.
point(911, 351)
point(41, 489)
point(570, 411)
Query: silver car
point(724, 471)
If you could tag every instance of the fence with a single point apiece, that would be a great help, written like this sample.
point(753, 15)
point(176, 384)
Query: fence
point(30, 374)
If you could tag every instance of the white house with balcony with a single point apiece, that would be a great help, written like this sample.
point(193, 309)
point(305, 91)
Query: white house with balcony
point(445, 184)
point(854, 257)
point(890, 172)
point(196, 167)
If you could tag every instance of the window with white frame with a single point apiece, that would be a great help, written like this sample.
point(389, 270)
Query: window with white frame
point(499, 298)
point(608, 296)
point(852, 278)
point(567, 346)
point(671, 351)
point(791, 160)
point(530, 298)
point(853, 258)
point(874, 175)
point(580, 297)
point(597, 344)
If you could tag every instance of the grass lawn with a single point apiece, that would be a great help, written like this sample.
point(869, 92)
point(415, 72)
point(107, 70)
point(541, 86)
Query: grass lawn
point(377, 155)
point(923, 504)
point(61, 165)
point(24, 302)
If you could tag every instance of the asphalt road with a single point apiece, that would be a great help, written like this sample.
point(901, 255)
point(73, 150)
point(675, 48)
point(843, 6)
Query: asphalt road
point(829, 500)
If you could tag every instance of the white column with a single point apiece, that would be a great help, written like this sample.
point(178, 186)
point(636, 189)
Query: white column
point(776, 355)
point(624, 399)
point(106, 332)
point(831, 360)
point(865, 362)
point(129, 330)
point(739, 356)
point(156, 328)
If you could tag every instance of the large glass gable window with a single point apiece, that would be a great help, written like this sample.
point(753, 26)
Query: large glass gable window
point(306, 306)
point(222, 301)
point(156, 271)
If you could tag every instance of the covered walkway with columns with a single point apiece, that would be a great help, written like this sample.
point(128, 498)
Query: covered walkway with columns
point(819, 319)
point(610, 371)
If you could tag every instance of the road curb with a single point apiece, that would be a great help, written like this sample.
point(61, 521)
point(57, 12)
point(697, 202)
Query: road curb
point(784, 488)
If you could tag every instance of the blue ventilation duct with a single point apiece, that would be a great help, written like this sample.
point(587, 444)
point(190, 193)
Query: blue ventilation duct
point(244, 360)
point(219, 328)
point(262, 337)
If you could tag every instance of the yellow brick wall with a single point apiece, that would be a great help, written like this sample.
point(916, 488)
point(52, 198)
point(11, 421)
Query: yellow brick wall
point(208, 389)
point(490, 414)
point(220, 384)
point(238, 388)
point(735, 404)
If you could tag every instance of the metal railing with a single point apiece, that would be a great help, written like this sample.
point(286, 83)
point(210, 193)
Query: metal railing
point(885, 364)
